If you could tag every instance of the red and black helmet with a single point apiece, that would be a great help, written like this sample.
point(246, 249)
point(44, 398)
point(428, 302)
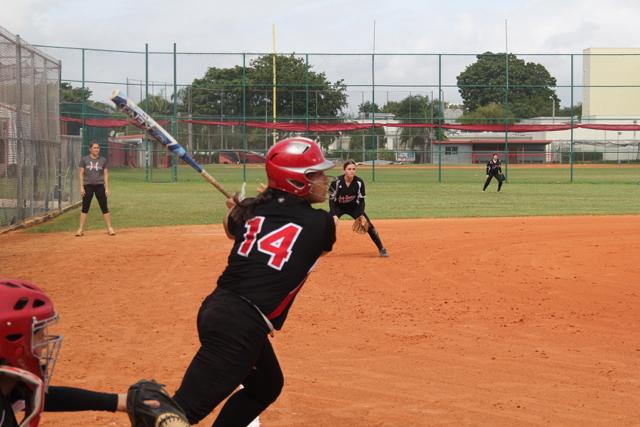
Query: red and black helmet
point(25, 310)
point(290, 160)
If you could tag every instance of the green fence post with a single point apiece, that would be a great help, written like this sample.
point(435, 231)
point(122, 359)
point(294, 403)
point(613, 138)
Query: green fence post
point(149, 172)
point(60, 140)
point(506, 114)
point(440, 119)
point(147, 160)
point(244, 116)
point(306, 93)
point(174, 119)
point(571, 140)
point(373, 115)
point(85, 136)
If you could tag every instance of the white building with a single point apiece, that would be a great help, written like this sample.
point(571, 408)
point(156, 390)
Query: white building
point(611, 85)
point(611, 96)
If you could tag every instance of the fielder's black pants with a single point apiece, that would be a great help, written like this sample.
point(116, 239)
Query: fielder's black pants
point(234, 350)
point(497, 177)
point(98, 190)
point(373, 233)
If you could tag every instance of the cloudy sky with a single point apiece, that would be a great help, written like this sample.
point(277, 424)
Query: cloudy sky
point(322, 26)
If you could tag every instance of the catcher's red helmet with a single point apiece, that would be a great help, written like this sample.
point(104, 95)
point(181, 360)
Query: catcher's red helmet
point(25, 313)
point(290, 160)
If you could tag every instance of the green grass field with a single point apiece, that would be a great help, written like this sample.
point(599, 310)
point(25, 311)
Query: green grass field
point(398, 192)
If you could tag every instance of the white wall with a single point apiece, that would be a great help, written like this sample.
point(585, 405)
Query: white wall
point(611, 67)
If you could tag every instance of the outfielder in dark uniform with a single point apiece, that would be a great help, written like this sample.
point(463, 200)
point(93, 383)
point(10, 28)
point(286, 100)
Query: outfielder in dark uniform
point(278, 238)
point(494, 170)
point(346, 196)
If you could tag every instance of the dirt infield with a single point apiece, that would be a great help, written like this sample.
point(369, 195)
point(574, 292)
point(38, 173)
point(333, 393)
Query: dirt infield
point(495, 322)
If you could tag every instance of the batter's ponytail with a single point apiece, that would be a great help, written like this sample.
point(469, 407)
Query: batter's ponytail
point(244, 209)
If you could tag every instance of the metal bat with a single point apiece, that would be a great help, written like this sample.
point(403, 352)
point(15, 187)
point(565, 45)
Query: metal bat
point(139, 118)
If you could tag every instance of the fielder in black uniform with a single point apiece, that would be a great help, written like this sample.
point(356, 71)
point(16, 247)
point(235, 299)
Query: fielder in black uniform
point(346, 196)
point(278, 238)
point(494, 170)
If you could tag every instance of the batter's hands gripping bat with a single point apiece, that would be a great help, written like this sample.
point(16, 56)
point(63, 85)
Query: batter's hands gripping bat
point(142, 120)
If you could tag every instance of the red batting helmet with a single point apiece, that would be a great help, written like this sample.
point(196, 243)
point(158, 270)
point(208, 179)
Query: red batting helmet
point(25, 313)
point(290, 160)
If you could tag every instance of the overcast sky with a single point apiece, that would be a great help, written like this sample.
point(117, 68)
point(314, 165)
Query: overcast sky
point(402, 26)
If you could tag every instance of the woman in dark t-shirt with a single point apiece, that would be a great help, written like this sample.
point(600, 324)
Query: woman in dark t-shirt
point(94, 179)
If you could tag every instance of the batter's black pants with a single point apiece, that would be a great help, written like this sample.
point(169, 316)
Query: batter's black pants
point(234, 350)
point(373, 233)
point(486, 183)
point(98, 190)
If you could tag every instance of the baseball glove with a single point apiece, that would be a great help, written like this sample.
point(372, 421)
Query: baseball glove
point(501, 177)
point(149, 405)
point(361, 225)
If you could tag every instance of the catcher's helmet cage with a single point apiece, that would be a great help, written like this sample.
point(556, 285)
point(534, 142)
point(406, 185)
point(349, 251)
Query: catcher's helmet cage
point(25, 313)
point(290, 160)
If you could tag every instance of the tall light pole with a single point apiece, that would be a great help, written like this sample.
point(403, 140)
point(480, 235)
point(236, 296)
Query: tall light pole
point(266, 119)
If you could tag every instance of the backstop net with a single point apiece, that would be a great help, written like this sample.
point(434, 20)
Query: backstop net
point(36, 167)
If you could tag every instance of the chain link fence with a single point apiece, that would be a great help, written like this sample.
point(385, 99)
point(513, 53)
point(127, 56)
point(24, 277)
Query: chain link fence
point(433, 110)
point(36, 166)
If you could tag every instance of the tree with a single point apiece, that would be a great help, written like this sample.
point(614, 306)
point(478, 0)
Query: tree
point(576, 111)
point(157, 105)
point(220, 91)
point(530, 91)
point(217, 93)
point(365, 144)
point(74, 95)
point(325, 99)
point(417, 109)
point(367, 107)
point(488, 114)
point(391, 107)
point(302, 94)
point(71, 95)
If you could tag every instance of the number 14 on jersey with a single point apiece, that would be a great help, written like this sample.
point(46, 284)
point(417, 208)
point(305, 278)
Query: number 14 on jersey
point(278, 244)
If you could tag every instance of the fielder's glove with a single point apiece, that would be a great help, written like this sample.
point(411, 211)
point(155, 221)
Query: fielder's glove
point(142, 413)
point(361, 225)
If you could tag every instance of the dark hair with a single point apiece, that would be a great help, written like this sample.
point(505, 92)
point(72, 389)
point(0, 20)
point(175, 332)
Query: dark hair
point(495, 154)
point(243, 210)
point(347, 163)
point(91, 144)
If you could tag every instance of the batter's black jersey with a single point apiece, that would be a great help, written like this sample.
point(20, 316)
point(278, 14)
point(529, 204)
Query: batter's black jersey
point(493, 168)
point(345, 197)
point(274, 252)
